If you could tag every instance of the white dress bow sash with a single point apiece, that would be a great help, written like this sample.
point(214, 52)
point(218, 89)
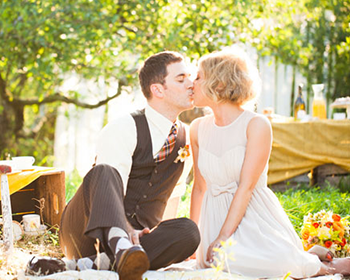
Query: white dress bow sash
point(216, 190)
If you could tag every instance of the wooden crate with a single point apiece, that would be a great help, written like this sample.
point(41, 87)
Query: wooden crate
point(49, 187)
point(330, 173)
point(291, 183)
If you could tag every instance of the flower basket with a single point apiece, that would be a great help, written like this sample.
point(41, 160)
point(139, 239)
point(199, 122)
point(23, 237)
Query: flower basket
point(326, 229)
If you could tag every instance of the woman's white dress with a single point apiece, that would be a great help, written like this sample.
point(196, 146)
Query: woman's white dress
point(266, 244)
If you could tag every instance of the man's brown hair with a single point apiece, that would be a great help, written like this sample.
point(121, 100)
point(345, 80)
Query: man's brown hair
point(154, 70)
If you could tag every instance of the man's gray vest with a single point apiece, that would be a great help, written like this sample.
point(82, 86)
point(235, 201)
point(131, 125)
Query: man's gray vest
point(150, 185)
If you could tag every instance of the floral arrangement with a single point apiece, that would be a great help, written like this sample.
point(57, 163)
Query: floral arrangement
point(327, 229)
point(183, 153)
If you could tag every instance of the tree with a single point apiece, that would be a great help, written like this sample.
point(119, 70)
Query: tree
point(41, 41)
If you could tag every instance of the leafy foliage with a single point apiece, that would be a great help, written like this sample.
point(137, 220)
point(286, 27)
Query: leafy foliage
point(73, 182)
point(44, 41)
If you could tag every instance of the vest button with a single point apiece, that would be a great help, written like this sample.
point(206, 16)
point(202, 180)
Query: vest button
point(155, 171)
point(144, 196)
point(150, 184)
point(137, 207)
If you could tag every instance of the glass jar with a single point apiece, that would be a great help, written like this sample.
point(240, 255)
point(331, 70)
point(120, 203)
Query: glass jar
point(319, 103)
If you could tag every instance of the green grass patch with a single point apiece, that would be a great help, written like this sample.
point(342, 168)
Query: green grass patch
point(298, 202)
point(73, 181)
point(305, 199)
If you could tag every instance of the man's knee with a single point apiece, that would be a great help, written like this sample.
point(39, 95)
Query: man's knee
point(195, 235)
point(103, 173)
point(103, 168)
point(189, 231)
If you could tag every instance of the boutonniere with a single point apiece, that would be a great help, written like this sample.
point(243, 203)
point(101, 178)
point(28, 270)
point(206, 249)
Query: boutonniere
point(183, 154)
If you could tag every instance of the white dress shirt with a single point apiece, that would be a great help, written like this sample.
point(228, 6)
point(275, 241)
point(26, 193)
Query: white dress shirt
point(117, 142)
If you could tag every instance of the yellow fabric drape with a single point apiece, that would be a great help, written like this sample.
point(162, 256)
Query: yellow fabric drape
point(299, 147)
point(18, 180)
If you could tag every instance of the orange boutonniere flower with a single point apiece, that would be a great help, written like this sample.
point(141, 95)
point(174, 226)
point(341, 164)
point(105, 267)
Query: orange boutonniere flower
point(327, 229)
point(183, 154)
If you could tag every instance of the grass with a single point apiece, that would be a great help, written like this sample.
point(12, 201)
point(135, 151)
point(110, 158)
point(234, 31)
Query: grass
point(305, 199)
point(297, 202)
point(300, 201)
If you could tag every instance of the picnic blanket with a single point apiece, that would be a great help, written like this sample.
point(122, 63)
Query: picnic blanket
point(299, 147)
point(183, 271)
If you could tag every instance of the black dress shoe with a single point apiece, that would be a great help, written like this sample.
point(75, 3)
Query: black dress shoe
point(44, 266)
point(132, 263)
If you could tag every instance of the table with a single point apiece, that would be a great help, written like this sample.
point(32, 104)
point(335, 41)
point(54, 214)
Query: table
point(46, 184)
point(299, 147)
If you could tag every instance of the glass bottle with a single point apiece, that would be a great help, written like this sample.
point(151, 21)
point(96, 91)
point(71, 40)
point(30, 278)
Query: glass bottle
point(299, 104)
point(319, 103)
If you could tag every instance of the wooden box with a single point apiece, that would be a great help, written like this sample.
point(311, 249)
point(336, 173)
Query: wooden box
point(48, 192)
point(330, 173)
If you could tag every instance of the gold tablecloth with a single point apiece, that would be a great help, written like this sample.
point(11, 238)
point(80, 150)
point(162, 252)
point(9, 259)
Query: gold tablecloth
point(299, 147)
point(20, 179)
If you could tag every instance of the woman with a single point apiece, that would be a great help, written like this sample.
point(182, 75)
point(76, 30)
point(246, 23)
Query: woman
point(230, 198)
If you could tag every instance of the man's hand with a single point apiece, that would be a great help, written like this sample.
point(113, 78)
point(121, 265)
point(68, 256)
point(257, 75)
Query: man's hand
point(135, 235)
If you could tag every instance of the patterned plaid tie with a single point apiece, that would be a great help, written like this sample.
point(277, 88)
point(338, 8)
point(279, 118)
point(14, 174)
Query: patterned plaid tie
point(168, 145)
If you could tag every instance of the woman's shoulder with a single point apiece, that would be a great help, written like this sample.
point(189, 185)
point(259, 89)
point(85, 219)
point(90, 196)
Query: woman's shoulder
point(255, 117)
point(198, 121)
point(258, 122)
point(198, 124)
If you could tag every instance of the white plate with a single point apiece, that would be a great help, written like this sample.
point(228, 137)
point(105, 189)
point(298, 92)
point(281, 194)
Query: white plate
point(17, 230)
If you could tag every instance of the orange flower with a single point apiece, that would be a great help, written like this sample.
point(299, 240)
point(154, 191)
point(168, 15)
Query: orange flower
point(339, 227)
point(336, 217)
point(305, 233)
point(328, 243)
point(343, 242)
point(316, 225)
point(329, 224)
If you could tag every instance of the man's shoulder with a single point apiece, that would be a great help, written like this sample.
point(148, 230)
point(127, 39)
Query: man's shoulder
point(121, 122)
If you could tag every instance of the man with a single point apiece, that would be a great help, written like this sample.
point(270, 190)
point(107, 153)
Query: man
point(122, 199)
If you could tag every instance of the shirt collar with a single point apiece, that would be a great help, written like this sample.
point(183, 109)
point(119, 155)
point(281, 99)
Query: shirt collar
point(161, 122)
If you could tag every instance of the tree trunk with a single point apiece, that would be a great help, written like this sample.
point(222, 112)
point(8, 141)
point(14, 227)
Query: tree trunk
point(6, 126)
point(292, 94)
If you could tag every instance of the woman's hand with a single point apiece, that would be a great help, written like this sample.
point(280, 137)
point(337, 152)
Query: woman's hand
point(215, 244)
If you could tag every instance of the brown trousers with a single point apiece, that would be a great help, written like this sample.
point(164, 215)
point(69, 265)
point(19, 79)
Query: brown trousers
point(98, 204)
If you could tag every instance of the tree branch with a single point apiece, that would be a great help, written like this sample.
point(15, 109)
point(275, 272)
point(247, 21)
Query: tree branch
point(58, 97)
point(32, 132)
point(21, 83)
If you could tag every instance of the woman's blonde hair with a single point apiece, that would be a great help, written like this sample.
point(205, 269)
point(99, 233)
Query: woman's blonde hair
point(230, 76)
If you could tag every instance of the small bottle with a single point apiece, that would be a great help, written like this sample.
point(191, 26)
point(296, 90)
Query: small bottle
point(299, 104)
